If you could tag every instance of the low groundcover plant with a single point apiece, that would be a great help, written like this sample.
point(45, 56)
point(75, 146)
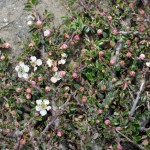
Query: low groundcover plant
point(81, 85)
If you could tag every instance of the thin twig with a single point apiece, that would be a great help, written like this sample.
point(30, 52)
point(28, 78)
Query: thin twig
point(137, 98)
point(139, 146)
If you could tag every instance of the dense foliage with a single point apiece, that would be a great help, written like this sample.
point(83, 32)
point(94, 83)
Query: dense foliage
point(81, 85)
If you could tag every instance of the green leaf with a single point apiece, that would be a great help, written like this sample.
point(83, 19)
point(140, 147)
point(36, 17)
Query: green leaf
point(34, 2)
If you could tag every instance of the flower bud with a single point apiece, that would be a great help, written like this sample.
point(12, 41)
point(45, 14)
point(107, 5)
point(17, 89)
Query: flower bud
point(99, 31)
point(107, 122)
point(47, 88)
point(75, 75)
point(47, 33)
point(77, 37)
point(128, 54)
point(64, 46)
point(132, 73)
point(109, 18)
point(142, 56)
point(101, 54)
point(28, 90)
point(2, 57)
point(59, 134)
point(39, 23)
point(28, 96)
point(84, 99)
point(30, 23)
point(18, 90)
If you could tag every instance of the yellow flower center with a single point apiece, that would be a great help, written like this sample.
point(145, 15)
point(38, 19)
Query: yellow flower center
point(43, 106)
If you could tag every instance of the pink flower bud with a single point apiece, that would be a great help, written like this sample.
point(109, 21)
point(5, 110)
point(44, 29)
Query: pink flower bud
point(47, 33)
point(36, 114)
point(142, 56)
point(131, 4)
point(109, 18)
point(18, 90)
point(28, 96)
point(39, 23)
point(107, 122)
point(59, 134)
point(66, 36)
point(16, 124)
point(6, 45)
point(142, 28)
point(33, 82)
point(115, 32)
point(77, 37)
point(119, 147)
point(99, 31)
point(13, 112)
point(2, 57)
point(47, 88)
point(103, 87)
point(100, 111)
point(29, 23)
point(132, 73)
point(63, 73)
point(31, 45)
point(81, 88)
point(40, 79)
point(64, 46)
point(142, 12)
point(101, 54)
point(128, 42)
point(84, 99)
point(28, 90)
point(75, 75)
point(22, 142)
point(55, 69)
point(122, 63)
point(112, 62)
point(72, 43)
point(136, 39)
point(128, 54)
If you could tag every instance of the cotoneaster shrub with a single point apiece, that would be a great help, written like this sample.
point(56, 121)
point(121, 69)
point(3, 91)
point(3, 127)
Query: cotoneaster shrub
point(80, 85)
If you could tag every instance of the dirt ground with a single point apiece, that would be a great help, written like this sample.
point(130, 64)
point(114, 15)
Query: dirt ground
point(13, 21)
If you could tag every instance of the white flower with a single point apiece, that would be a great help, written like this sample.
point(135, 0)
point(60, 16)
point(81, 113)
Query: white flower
point(42, 106)
point(49, 62)
point(56, 77)
point(62, 61)
point(22, 70)
point(148, 64)
point(35, 62)
point(64, 55)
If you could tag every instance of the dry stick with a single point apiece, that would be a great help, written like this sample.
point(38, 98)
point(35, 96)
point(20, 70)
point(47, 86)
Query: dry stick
point(137, 98)
point(139, 146)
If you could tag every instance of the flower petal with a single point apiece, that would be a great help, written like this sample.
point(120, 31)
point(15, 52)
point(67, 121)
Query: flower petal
point(45, 101)
point(63, 61)
point(53, 79)
point(48, 108)
point(43, 112)
point(25, 75)
point(64, 55)
point(21, 64)
point(17, 68)
point(148, 64)
point(39, 62)
point(20, 75)
point(33, 58)
point(26, 68)
point(38, 108)
point(39, 102)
